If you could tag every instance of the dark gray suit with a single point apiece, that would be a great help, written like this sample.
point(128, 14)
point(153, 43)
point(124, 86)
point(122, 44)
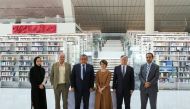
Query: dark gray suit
point(150, 92)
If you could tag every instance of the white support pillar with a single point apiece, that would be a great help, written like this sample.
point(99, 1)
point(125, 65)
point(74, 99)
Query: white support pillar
point(68, 9)
point(149, 16)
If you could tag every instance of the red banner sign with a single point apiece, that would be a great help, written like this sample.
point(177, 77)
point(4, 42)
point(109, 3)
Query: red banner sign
point(33, 29)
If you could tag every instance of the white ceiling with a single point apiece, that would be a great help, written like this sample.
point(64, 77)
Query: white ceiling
point(105, 15)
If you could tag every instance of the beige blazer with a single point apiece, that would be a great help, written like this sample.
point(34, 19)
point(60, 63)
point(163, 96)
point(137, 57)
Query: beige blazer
point(54, 77)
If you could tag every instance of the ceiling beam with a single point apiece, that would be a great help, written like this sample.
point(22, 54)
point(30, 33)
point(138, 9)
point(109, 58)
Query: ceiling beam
point(92, 6)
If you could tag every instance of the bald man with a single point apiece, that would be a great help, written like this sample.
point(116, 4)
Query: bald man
point(60, 79)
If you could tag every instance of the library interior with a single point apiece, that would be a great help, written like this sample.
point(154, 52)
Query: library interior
point(102, 30)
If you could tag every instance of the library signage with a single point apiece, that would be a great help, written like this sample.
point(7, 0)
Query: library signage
point(34, 29)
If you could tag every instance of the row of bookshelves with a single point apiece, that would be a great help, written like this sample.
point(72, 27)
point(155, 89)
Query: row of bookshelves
point(6, 74)
point(176, 49)
point(171, 44)
point(19, 65)
point(17, 53)
point(13, 74)
point(30, 47)
point(11, 79)
point(13, 57)
point(184, 53)
point(172, 51)
point(174, 57)
point(6, 78)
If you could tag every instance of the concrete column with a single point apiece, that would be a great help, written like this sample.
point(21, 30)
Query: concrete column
point(68, 9)
point(149, 16)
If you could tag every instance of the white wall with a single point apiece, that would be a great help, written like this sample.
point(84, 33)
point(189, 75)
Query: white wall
point(66, 28)
point(5, 29)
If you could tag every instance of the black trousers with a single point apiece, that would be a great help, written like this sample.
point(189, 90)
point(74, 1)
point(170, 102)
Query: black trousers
point(79, 95)
point(127, 99)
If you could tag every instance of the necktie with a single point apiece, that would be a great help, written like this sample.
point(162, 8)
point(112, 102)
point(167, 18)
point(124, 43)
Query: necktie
point(123, 70)
point(83, 71)
point(147, 71)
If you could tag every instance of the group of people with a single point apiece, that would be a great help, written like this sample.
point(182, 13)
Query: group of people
point(81, 80)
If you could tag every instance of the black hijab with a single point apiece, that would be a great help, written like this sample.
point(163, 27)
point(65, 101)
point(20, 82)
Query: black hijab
point(35, 59)
point(37, 74)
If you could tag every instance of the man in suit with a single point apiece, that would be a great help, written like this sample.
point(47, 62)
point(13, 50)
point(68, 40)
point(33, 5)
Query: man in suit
point(60, 79)
point(123, 82)
point(149, 75)
point(82, 81)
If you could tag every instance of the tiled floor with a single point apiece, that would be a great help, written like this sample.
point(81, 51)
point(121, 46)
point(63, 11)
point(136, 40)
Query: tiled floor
point(20, 99)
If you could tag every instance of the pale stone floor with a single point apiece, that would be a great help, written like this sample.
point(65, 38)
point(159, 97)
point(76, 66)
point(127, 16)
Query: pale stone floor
point(13, 98)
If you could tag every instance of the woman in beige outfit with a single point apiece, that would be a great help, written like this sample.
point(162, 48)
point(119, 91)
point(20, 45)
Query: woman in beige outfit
point(103, 93)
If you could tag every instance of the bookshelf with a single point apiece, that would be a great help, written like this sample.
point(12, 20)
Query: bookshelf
point(7, 68)
point(75, 44)
point(174, 57)
point(17, 54)
point(17, 57)
point(18, 66)
point(172, 53)
point(15, 68)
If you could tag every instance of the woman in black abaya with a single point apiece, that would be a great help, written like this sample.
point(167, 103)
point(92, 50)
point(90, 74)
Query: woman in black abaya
point(38, 79)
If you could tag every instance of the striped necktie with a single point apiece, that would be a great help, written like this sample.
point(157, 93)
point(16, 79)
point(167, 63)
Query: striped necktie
point(147, 71)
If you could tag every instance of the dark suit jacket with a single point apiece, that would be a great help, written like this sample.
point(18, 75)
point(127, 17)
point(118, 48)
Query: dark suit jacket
point(152, 77)
point(88, 81)
point(123, 83)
